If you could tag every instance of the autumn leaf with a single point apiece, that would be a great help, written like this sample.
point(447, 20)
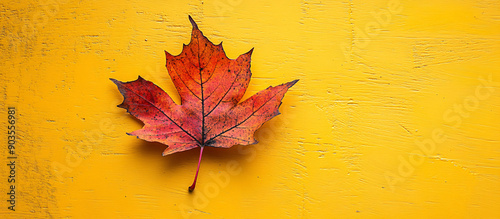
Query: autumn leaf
point(210, 86)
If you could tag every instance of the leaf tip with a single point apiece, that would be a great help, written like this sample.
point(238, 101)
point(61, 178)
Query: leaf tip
point(251, 51)
point(195, 26)
point(291, 83)
point(165, 152)
point(115, 81)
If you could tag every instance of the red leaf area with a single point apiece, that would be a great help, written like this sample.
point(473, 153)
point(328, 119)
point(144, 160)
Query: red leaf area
point(210, 86)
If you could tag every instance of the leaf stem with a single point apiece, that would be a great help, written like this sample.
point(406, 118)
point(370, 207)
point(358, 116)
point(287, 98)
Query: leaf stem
point(191, 188)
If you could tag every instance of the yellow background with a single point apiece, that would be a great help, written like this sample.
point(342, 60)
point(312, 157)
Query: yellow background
point(376, 78)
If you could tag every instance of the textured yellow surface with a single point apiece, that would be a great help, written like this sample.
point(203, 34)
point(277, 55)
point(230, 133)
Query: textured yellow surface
point(396, 113)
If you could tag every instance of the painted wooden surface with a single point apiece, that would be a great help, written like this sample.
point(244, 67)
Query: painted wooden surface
point(396, 113)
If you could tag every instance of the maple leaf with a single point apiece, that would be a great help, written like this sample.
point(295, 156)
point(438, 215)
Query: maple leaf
point(210, 86)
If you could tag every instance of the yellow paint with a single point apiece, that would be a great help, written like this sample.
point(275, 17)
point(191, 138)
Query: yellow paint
point(376, 78)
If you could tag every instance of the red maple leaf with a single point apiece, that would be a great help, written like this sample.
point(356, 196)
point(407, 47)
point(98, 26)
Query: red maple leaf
point(210, 86)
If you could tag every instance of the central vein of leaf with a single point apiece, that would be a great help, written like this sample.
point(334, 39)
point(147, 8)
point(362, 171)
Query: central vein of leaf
point(202, 98)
